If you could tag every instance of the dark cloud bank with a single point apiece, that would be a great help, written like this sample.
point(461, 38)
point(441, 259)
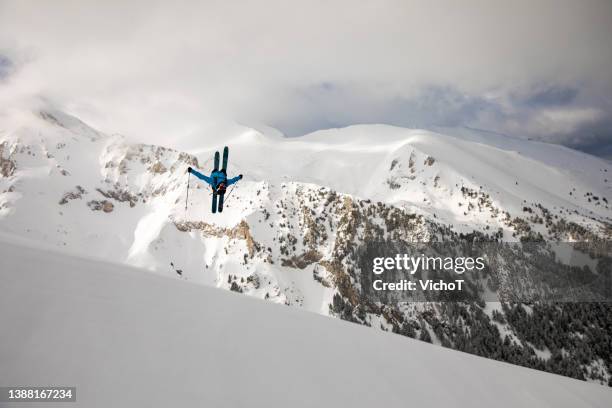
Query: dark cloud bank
point(331, 105)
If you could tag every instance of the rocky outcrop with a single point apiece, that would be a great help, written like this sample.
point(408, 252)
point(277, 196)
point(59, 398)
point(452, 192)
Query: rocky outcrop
point(7, 162)
point(73, 195)
point(104, 205)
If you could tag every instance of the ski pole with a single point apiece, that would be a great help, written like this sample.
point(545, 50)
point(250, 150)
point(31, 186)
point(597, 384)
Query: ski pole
point(229, 194)
point(187, 196)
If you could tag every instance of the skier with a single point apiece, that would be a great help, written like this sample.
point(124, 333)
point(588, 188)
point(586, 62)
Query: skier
point(218, 180)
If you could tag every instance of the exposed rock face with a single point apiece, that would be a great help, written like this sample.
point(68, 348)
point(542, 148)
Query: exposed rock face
point(120, 195)
point(158, 168)
point(107, 206)
point(103, 205)
point(240, 231)
point(73, 195)
point(157, 159)
point(7, 163)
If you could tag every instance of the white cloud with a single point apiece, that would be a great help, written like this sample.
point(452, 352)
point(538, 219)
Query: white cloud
point(163, 69)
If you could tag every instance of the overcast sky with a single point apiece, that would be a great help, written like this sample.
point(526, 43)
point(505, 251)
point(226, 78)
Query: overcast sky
point(162, 70)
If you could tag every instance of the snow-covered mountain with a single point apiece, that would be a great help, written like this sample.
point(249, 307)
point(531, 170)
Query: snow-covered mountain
point(292, 226)
point(124, 337)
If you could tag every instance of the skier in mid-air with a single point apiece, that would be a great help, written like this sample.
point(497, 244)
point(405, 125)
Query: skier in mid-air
point(218, 180)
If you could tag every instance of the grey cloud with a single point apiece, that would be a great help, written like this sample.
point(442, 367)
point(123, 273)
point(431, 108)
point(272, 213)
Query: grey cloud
point(327, 105)
point(6, 66)
point(594, 138)
point(551, 96)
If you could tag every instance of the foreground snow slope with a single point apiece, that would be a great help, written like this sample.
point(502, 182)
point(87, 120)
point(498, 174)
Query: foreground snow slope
point(126, 337)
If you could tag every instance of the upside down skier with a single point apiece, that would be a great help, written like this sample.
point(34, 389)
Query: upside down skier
point(217, 180)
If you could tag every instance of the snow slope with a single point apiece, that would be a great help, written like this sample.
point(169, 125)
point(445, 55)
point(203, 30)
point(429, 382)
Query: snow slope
point(125, 337)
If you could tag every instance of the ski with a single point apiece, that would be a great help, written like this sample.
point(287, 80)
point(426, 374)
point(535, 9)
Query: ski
point(225, 156)
point(214, 202)
point(216, 161)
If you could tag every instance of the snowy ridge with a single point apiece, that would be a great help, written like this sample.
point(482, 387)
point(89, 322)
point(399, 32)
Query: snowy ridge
point(46, 156)
point(99, 326)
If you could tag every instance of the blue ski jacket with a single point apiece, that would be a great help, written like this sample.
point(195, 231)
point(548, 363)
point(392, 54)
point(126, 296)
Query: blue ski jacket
point(216, 177)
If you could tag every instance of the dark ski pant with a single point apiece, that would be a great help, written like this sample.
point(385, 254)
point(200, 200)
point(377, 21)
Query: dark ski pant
point(217, 201)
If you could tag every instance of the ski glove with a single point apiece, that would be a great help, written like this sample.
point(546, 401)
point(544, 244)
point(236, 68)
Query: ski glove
point(240, 175)
point(189, 169)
